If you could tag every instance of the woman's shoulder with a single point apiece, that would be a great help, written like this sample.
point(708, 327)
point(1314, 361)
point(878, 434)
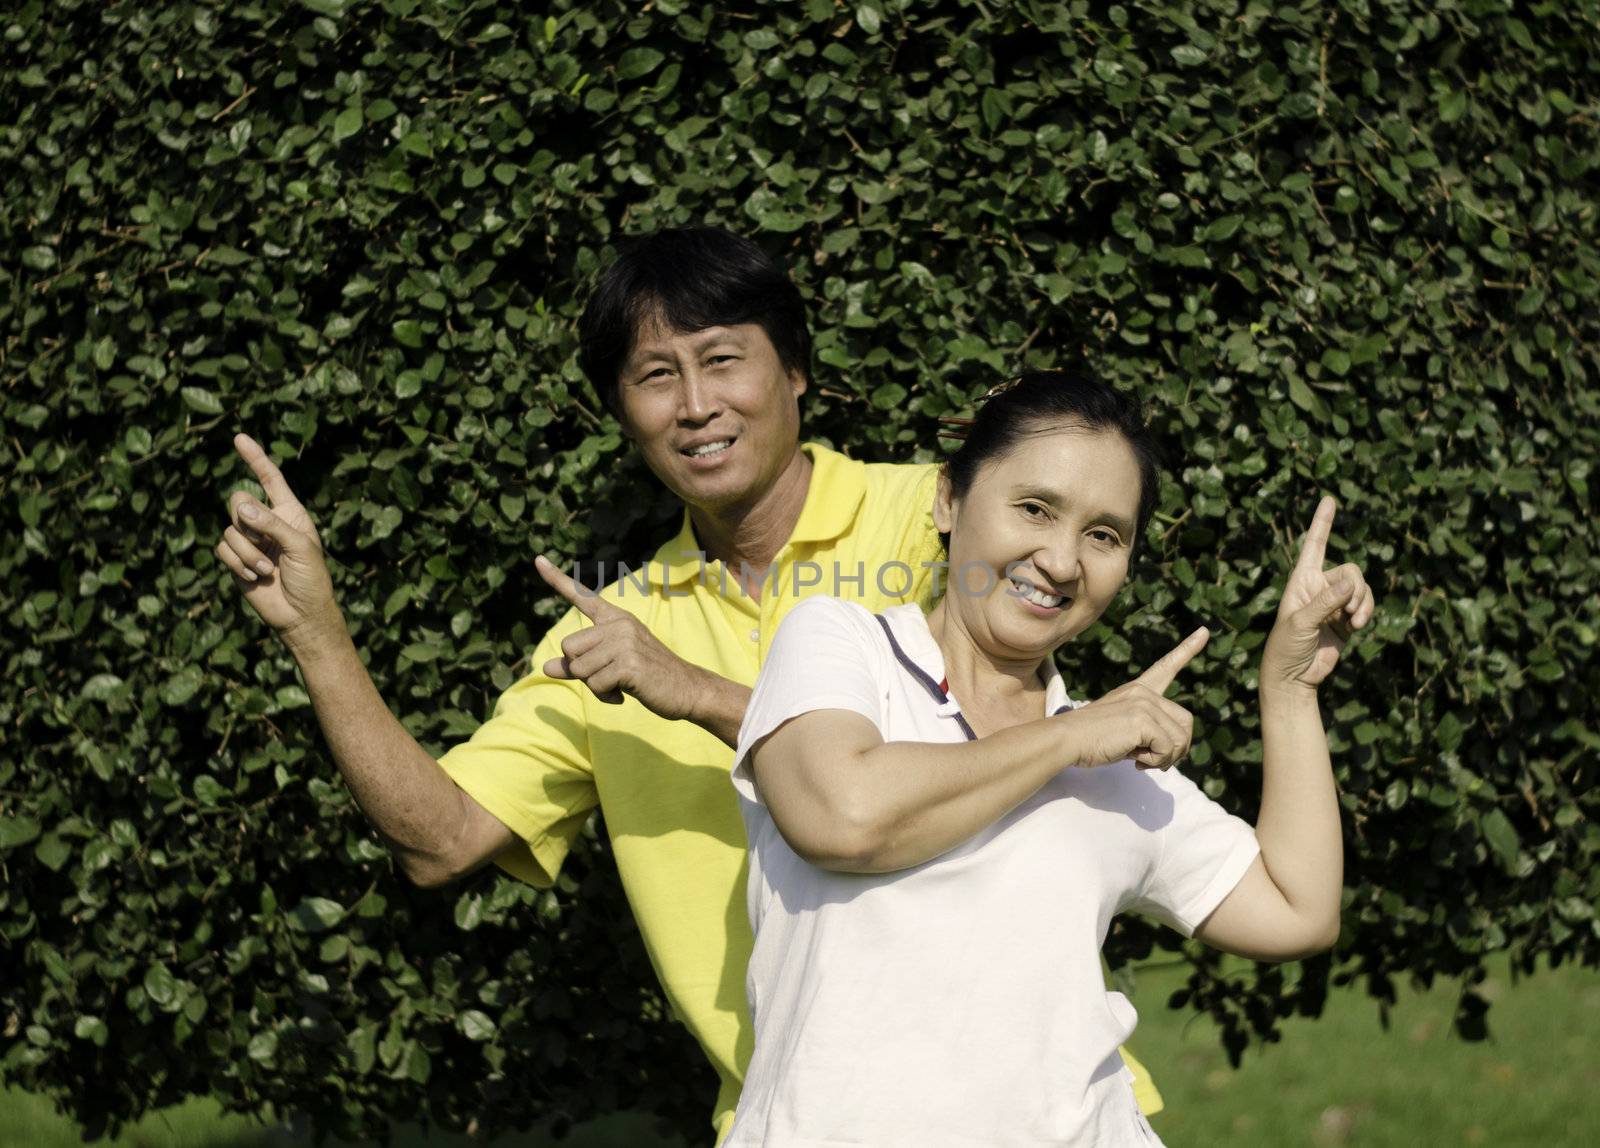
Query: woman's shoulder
point(823, 611)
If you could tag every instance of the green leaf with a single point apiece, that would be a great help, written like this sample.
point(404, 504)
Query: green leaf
point(1223, 228)
point(160, 986)
point(347, 123)
point(1337, 361)
point(407, 332)
point(53, 852)
point(476, 1025)
point(317, 915)
point(201, 401)
point(636, 62)
point(182, 686)
point(1501, 836)
point(17, 830)
point(1188, 55)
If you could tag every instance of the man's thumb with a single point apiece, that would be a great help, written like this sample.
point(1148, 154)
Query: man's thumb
point(1333, 598)
point(260, 519)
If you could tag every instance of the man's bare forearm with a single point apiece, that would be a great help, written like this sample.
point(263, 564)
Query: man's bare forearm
point(719, 706)
point(403, 791)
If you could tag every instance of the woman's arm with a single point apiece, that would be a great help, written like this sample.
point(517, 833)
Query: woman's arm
point(845, 799)
point(1287, 905)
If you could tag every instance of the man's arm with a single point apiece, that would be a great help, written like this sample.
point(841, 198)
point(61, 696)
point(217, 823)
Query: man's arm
point(618, 655)
point(436, 830)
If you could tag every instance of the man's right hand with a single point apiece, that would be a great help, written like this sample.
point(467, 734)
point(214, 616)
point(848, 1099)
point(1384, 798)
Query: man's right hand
point(275, 555)
point(1135, 720)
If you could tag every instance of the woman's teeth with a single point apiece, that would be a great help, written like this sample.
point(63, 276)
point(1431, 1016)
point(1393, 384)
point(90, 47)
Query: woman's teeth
point(1035, 595)
point(709, 448)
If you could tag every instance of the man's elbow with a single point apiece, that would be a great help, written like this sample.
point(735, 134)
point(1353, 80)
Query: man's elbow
point(431, 871)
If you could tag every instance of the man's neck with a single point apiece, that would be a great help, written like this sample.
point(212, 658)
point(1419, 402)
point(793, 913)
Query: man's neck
point(750, 536)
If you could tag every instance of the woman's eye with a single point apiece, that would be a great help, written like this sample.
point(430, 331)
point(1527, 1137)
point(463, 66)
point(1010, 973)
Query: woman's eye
point(1105, 538)
point(714, 360)
point(1035, 510)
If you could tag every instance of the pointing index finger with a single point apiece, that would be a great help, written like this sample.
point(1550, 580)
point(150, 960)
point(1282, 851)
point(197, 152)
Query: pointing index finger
point(586, 601)
point(1163, 672)
point(265, 470)
point(1315, 547)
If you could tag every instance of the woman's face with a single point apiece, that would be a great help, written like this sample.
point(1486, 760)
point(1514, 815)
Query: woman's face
point(1039, 545)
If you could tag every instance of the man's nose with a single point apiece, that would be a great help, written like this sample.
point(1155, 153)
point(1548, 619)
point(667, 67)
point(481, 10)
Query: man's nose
point(697, 398)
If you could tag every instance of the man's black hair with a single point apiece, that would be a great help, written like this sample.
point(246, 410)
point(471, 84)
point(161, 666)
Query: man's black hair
point(689, 278)
point(1041, 401)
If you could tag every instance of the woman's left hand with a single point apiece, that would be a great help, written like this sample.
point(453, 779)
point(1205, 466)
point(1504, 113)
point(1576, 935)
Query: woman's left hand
point(1317, 614)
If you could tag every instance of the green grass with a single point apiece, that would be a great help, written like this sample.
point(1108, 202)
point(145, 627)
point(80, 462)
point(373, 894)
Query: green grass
point(1343, 1080)
point(1338, 1080)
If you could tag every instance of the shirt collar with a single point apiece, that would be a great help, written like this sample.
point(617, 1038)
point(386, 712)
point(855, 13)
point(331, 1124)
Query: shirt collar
point(837, 486)
point(910, 627)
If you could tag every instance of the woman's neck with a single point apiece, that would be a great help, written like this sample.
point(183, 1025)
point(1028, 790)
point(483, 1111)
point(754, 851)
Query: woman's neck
point(973, 672)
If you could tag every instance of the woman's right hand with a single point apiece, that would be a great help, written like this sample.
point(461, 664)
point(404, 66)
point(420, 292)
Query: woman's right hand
point(275, 556)
point(1135, 721)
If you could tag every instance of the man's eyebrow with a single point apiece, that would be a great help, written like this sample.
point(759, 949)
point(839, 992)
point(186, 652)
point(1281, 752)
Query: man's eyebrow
point(1057, 498)
point(704, 339)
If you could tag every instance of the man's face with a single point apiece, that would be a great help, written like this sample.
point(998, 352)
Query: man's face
point(713, 412)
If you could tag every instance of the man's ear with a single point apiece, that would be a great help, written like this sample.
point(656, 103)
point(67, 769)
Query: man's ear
point(944, 503)
point(797, 383)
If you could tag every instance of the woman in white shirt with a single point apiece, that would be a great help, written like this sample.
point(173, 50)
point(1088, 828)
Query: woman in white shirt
point(940, 837)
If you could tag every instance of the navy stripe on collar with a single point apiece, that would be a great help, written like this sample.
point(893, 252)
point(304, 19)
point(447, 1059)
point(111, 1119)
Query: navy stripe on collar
point(935, 691)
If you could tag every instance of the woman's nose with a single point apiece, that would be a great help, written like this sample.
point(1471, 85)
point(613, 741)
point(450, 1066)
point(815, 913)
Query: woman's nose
point(1058, 561)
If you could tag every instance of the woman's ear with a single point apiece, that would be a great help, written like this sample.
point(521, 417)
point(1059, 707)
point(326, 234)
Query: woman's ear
point(944, 503)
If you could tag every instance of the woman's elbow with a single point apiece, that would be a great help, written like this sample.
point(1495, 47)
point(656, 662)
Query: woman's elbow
point(1308, 942)
point(844, 836)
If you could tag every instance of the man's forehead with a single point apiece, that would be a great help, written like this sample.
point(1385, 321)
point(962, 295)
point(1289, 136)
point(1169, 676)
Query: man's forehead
point(655, 336)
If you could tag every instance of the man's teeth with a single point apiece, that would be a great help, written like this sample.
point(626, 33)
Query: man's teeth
point(1035, 595)
point(709, 448)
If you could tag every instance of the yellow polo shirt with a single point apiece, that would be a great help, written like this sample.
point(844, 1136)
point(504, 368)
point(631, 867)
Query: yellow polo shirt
point(552, 751)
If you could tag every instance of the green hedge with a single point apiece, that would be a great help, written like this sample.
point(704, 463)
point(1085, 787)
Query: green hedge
point(1346, 247)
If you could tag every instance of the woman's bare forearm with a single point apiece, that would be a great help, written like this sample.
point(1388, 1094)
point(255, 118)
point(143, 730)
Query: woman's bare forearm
point(1302, 847)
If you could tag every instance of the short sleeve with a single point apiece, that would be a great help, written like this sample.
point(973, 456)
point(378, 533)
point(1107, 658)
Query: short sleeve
point(822, 658)
point(529, 764)
point(1204, 852)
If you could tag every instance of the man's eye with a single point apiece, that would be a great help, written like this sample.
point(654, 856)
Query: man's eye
point(715, 359)
point(1035, 510)
point(1105, 537)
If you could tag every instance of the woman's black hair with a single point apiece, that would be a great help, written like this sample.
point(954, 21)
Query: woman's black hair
point(1043, 400)
point(690, 278)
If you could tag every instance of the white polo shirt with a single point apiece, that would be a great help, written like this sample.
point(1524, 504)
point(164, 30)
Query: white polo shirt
point(960, 1002)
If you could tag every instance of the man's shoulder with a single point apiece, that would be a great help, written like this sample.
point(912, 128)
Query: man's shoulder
point(900, 489)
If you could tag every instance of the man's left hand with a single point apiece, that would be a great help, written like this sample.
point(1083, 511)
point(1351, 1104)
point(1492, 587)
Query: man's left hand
point(618, 655)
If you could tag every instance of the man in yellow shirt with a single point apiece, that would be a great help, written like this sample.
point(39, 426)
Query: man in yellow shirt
point(697, 342)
